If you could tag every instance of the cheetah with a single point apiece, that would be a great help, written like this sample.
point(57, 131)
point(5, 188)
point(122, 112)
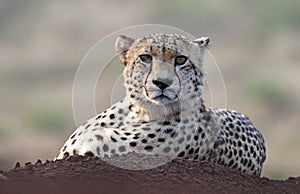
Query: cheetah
point(163, 112)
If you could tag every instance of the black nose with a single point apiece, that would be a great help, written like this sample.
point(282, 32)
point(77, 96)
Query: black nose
point(162, 84)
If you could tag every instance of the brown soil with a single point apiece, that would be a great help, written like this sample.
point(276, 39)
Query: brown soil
point(79, 174)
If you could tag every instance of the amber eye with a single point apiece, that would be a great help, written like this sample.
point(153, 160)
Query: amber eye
point(146, 58)
point(180, 60)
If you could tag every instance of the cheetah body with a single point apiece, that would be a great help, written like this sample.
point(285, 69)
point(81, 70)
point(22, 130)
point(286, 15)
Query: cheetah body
point(163, 112)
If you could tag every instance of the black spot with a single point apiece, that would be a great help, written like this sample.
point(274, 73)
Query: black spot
point(123, 138)
point(176, 149)
point(236, 135)
point(74, 151)
point(161, 139)
point(127, 133)
point(111, 123)
point(245, 162)
point(239, 143)
point(221, 152)
point(111, 116)
point(99, 137)
point(116, 132)
point(243, 138)
point(187, 147)
point(180, 140)
point(230, 163)
point(64, 149)
point(226, 150)
point(66, 154)
point(181, 154)
point(151, 135)
point(249, 163)
point(166, 123)
point(246, 147)
point(191, 151)
point(73, 141)
point(166, 149)
point(146, 128)
point(148, 148)
point(251, 149)
point(188, 138)
point(196, 137)
point(173, 134)
point(203, 135)
point(168, 130)
point(98, 150)
point(196, 157)
point(120, 111)
point(87, 126)
point(105, 148)
point(144, 141)
point(122, 148)
point(249, 140)
point(234, 152)
point(254, 154)
point(113, 139)
point(130, 107)
point(102, 124)
point(73, 135)
point(112, 108)
point(98, 117)
point(132, 144)
point(89, 153)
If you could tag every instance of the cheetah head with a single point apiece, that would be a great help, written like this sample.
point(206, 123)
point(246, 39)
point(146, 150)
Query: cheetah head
point(162, 71)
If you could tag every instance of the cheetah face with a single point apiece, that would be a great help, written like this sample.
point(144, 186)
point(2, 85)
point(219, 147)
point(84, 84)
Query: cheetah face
point(161, 85)
point(162, 69)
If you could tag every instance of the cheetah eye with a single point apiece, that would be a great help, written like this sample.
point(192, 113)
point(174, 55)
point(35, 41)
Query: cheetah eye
point(180, 60)
point(146, 58)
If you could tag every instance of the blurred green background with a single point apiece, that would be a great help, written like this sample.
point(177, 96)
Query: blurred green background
point(256, 45)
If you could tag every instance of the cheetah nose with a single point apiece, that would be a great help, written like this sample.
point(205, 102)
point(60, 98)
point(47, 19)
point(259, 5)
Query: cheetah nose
point(162, 83)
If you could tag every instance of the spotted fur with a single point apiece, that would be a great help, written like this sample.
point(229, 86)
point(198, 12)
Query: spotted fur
point(163, 112)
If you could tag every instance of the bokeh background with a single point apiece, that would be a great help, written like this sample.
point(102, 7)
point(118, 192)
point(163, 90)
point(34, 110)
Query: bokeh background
point(255, 43)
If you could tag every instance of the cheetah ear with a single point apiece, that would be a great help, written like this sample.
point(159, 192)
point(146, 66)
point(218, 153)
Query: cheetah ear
point(123, 43)
point(203, 42)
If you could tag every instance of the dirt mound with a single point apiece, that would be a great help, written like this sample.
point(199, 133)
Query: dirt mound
point(79, 174)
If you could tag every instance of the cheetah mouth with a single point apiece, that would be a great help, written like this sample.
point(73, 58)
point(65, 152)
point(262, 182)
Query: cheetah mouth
point(160, 97)
point(163, 99)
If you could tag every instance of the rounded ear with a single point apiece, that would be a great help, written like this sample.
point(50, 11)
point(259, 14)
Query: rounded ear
point(123, 43)
point(203, 42)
